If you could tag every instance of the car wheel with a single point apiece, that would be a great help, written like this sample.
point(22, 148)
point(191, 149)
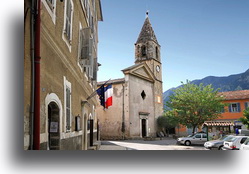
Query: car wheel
point(187, 143)
point(220, 148)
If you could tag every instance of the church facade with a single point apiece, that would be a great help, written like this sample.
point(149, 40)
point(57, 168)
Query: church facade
point(137, 98)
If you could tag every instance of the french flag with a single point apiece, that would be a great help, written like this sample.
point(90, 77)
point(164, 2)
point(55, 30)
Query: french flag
point(108, 96)
point(105, 95)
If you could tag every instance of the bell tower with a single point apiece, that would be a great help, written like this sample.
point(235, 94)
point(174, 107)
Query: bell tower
point(148, 50)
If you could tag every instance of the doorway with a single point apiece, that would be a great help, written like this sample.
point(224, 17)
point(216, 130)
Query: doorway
point(144, 130)
point(53, 126)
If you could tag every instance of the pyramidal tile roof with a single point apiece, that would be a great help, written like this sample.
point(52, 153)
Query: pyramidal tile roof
point(147, 33)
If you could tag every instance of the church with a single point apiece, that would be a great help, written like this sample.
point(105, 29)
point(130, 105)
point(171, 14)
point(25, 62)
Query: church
point(137, 98)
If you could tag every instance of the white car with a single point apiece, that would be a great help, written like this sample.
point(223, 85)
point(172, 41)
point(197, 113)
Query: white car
point(245, 145)
point(199, 138)
point(216, 144)
point(234, 142)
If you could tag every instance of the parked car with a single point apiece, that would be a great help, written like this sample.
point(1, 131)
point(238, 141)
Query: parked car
point(216, 144)
point(198, 138)
point(245, 145)
point(234, 142)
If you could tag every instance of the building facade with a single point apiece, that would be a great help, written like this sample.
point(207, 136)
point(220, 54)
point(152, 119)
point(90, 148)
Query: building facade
point(237, 102)
point(137, 98)
point(68, 73)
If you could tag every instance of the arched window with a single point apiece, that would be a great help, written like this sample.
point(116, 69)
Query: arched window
point(143, 49)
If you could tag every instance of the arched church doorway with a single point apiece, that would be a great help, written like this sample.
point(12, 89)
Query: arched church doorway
point(53, 126)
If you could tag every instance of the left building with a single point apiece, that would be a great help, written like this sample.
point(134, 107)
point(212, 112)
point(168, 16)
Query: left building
point(60, 73)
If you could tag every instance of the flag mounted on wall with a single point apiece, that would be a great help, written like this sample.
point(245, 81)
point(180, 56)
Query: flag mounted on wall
point(105, 95)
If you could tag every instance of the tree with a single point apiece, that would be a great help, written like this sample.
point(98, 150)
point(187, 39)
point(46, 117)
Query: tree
point(194, 104)
point(167, 121)
point(245, 119)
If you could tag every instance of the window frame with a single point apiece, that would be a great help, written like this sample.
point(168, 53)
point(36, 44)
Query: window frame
point(68, 39)
point(51, 8)
point(231, 108)
point(68, 121)
point(246, 105)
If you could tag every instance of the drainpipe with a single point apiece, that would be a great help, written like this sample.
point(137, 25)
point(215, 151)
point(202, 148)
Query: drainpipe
point(32, 23)
point(37, 78)
point(123, 114)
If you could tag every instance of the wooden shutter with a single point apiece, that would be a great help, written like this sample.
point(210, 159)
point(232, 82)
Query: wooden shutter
point(85, 44)
point(238, 104)
point(91, 58)
point(68, 19)
point(230, 108)
point(68, 106)
point(95, 69)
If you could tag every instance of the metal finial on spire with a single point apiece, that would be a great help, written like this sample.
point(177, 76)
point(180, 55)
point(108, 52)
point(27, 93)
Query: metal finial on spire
point(147, 13)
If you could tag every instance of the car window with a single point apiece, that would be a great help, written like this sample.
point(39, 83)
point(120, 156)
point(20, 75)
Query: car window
point(198, 136)
point(225, 138)
point(204, 136)
point(243, 140)
point(231, 139)
point(247, 141)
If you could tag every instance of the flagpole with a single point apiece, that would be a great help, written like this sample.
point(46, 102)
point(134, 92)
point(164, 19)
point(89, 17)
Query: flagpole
point(95, 92)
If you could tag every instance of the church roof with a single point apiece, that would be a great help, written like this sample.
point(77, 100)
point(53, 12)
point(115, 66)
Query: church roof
point(147, 33)
point(114, 81)
point(132, 67)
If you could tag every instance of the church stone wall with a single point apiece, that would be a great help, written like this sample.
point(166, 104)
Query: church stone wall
point(138, 104)
point(111, 118)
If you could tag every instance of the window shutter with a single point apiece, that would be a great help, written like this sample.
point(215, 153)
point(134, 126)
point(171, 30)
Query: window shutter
point(95, 69)
point(230, 108)
point(239, 110)
point(91, 63)
point(68, 105)
point(85, 44)
point(68, 19)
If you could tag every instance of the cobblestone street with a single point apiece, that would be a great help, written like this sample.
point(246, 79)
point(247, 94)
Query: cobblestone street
point(165, 144)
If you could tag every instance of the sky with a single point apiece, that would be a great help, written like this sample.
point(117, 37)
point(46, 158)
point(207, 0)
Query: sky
point(198, 38)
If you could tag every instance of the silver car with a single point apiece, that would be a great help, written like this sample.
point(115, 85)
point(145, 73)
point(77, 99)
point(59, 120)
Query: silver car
point(199, 138)
point(216, 144)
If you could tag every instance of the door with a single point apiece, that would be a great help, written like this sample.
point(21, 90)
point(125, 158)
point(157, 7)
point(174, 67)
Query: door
point(197, 139)
point(53, 127)
point(144, 131)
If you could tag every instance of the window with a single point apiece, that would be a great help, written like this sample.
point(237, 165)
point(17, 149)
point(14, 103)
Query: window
point(222, 109)
point(246, 105)
point(86, 52)
point(68, 20)
point(247, 141)
point(243, 140)
point(68, 23)
point(204, 136)
point(50, 5)
point(143, 95)
point(143, 49)
point(234, 107)
point(67, 104)
point(198, 136)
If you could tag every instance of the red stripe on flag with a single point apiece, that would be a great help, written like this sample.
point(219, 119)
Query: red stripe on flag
point(108, 102)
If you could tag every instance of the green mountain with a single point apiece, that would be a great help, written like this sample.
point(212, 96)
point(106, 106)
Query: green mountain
point(229, 83)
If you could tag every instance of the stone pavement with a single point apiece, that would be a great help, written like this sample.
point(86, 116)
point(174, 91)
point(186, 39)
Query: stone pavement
point(164, 144)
